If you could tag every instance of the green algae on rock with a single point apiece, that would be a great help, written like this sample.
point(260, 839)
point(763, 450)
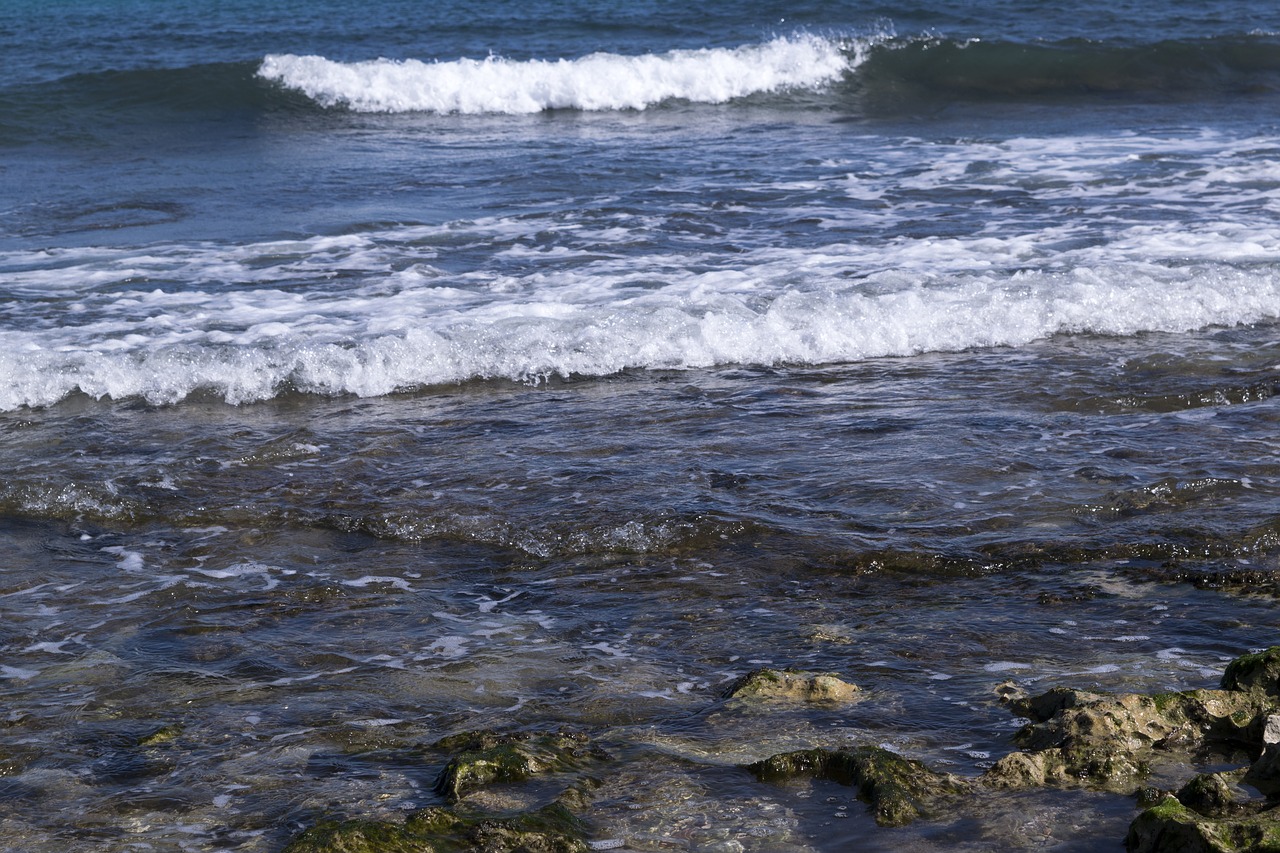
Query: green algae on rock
point(163, 734)
point(1172, 827)
point(1256, 673)
point(1105, 741)
point(898, 789)
point(486, 758)
point(792, 685)
point(1079, 737)
point(551, 829)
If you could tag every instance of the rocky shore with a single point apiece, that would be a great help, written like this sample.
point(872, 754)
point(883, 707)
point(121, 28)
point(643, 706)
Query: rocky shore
point(534, 791)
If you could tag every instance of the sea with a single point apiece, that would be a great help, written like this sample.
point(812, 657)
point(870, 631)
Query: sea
point(373, 372)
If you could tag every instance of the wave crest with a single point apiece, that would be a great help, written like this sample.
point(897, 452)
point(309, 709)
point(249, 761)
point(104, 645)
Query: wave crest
point(600, 81)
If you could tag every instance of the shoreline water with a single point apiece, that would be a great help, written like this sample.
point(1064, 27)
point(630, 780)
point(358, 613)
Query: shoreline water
point(935, 351)
point(299, 596)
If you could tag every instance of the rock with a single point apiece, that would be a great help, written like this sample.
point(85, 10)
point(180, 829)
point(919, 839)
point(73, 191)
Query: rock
point(730, 846)
point(1171, 827)
point(1086, 738)
point(1264, 774)
point(831, 634)
point(1167, 827)
point(549, 830)
point(792, 685)
point(1022, 770)
point(1098, 740)
point(898, 789)
point(359, 836)
point(486, 758)
point(1048, 705)
point(1271, 730)
point(1257, 673)
point(552, 829)
point(1079, 737)
point(1010, 693)
point(164, 734)
point(1212, 794)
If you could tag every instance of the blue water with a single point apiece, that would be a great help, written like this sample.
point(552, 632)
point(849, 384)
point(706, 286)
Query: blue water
point(373, 373)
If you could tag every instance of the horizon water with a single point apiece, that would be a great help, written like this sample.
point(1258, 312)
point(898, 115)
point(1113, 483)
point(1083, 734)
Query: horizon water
point(374, 374)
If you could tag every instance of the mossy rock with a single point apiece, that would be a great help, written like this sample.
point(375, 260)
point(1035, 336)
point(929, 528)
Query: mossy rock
point(552, 829)
point(792, 685)
point(1256, 673)
point(1213, 794)
point(361, 836)
point(487, 758)
point(1080, 737)
point(1046, 706)
point(1171, 827)
point(899, 790)
point(1104, 768)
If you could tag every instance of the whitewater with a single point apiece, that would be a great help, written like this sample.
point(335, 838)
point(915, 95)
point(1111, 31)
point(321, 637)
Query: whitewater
point(599, 81)
point(418, 328)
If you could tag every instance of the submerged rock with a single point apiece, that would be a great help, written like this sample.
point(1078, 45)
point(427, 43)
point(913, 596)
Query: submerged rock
point(898, 789)
point(792, 685)
point(481, 759)
point(552, 829)
point(486, 758)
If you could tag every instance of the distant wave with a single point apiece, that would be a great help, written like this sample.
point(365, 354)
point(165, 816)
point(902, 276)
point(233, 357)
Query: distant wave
point(600, 81)
point(867, 74)
point(877, 72)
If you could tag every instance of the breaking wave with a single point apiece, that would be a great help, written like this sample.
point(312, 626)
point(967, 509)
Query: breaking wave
point(600, 81)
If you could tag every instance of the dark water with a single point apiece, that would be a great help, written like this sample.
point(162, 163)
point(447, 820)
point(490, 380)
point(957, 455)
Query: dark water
point(369, 377)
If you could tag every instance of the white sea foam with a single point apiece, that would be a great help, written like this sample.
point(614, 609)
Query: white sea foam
point(600, 81)
point(378, 580)
point(1005, 666)
point(422, 305)
point(368, 347)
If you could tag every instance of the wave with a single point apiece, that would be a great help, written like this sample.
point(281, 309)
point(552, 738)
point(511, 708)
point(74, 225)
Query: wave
point(243, 347)
point(84, 106)
point(864, 74)
point(600, 81)
point(1074, 67)
point(877, 72)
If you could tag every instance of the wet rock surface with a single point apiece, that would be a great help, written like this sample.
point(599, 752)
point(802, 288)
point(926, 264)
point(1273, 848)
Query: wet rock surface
point(530, 791)
point(1081, 738)
point(485, 758)
point(552, 829)
point(898, 790)
point(1172, 827)
point(792, 685)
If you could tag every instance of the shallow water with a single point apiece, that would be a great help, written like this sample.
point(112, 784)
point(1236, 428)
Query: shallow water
point(310, 592)
point(370, 378)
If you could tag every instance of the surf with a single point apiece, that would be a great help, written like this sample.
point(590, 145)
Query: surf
point(596, 82)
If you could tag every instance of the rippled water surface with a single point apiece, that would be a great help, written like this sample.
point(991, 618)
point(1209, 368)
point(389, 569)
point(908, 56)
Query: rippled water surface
point(369, 376)
point(299, 595)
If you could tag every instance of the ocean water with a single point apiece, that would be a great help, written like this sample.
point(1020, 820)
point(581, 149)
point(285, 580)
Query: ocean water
point(371, 373)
